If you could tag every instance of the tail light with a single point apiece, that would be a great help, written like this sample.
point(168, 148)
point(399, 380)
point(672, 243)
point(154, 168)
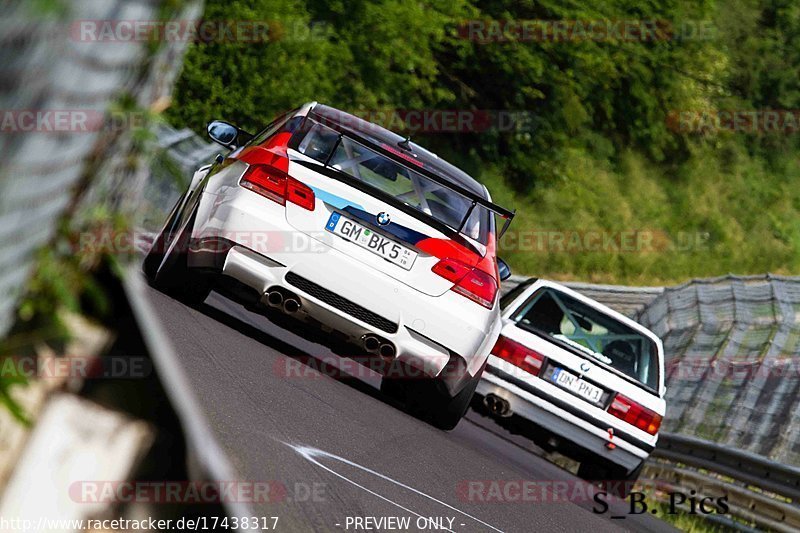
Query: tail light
point(631, 412)
point(518, 355)
point(278, 186)
point(473, 283)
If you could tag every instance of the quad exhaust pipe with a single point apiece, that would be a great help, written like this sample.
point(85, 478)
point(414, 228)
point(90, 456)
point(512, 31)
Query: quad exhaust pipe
point(374, 344)
point(287, 302)
point(496, 405)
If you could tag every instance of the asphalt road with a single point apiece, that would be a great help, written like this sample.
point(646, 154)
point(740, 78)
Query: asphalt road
point(335, 450)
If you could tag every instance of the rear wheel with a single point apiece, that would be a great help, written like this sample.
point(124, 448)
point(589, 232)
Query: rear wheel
point(422, 397)
point(166, 264)
point(448, 411)
point(155, 256)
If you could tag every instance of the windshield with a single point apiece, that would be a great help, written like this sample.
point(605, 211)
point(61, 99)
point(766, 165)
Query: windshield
point(401, 182)
point(598, 335)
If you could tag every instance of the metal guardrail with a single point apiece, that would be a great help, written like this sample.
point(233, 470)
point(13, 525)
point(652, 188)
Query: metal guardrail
point(758, 490)
point(748, 510)
point(743, 466)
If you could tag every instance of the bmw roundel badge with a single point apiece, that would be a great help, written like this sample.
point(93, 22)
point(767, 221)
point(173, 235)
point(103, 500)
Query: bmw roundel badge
point(383, 218)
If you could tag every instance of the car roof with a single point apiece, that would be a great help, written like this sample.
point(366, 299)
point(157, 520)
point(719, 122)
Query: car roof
point(359, 127)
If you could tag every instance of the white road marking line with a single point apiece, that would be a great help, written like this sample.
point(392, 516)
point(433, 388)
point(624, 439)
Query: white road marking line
point(311, 454)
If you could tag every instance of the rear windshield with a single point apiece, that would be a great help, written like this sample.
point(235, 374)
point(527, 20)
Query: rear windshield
point(401, 182)
point(602, 337)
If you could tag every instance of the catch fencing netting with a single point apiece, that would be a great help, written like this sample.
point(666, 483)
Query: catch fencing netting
point(733, 361)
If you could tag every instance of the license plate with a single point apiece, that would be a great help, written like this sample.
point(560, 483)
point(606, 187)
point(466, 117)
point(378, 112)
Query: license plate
point(575, 384)
point(376, 243)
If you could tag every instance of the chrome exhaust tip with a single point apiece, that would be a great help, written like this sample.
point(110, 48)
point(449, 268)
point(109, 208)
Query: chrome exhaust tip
point(387, 350)
point(371, 343)
point(290, 305)
point(496, 405)
point(274, 298)
point(489, 401)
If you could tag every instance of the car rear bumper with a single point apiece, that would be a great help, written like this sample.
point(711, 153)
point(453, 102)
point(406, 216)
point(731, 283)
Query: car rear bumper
point(563, 420)
point(429, 337)
point(430, 333)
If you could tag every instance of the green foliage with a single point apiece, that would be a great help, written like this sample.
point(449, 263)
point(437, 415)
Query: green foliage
point(601, 152)
point(631, 223)
point(8, 380)
point(65, 279)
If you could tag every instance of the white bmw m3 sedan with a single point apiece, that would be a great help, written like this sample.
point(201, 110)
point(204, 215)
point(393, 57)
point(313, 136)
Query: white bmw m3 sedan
point(354, 229)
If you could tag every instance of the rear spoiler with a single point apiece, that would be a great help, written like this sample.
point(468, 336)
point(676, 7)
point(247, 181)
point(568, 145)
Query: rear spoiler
point(398, 157)
point(502, 212)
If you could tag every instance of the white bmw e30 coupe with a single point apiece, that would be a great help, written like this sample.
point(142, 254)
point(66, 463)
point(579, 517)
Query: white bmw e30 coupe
point(588, 379)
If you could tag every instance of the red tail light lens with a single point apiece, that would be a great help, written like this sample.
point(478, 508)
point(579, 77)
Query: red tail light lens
point(300, 194)
point(267, 181)
point(451, 270)
point(278, 186)
point(518, 355)
point(475, 284)
point(631, 412)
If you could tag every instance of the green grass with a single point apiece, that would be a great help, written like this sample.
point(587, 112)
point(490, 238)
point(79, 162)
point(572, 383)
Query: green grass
point(723, 212)
point(687, 522)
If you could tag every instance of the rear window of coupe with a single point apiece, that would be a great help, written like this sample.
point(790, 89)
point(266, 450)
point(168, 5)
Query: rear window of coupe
point(598, 335)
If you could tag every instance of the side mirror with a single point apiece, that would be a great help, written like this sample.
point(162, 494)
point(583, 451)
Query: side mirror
point(504, 269)
point(223, 133)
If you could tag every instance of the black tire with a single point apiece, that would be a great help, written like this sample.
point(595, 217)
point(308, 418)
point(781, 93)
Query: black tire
point(155, 256)
point(612, 478)
point(169, 272)
point(401, 388)
point(422, 397)
point(448, 411)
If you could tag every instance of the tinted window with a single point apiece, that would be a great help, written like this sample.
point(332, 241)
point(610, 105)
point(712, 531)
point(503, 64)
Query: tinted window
point(597, 334)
